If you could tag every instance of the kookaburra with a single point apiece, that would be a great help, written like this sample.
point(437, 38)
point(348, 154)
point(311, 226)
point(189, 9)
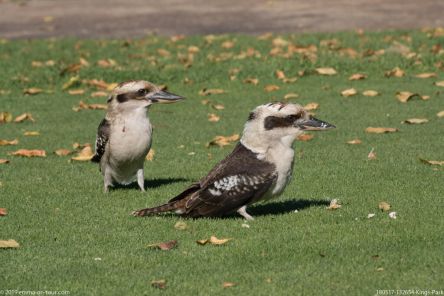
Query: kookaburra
point(124, 135)
point(259, 167)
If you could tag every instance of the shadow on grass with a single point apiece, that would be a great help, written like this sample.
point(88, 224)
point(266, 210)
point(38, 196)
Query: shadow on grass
point(283, 207)
point(150, 184)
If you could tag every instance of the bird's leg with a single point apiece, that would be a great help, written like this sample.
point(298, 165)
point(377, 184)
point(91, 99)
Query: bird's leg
point(140, 179)
point(107, 181)
point(243, 212)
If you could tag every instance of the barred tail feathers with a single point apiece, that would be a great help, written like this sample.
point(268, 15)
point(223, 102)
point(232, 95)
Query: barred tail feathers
point(171, 206)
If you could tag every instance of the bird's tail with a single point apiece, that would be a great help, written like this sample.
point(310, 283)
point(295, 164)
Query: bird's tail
point(171, 206)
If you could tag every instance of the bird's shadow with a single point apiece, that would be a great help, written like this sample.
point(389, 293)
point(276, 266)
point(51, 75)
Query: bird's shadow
point(150, 184)
point(283, 207)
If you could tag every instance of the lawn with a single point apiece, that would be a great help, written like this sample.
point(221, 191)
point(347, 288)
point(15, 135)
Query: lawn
point(73, 237)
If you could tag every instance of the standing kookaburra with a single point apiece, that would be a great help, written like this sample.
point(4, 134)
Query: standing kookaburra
point(259, 167)
point(124, 135)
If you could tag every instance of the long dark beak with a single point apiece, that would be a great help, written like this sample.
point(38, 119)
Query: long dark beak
point(314, 124)
point(164, 97)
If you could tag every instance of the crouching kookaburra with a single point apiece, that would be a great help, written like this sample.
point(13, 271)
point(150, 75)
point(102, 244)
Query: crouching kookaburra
point(259, 167)
point(124, 135)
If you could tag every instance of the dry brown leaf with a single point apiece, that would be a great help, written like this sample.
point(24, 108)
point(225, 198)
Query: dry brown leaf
point(213, 117)
point(80, 146)
point(164, 246)
point(251, 80)
point(311, 106)
point(334, 204)
point(32, 91)
point(3, 161)
point(106, 63)
point(150, 155)
point(163, 52)
point(3, 212)
point(99, 94)
point(73, 80)
point(8, 142)
point(5, 117)
point(439, 83)
point(211, 91)
point(271, 87)
point(384, 206)
point(31, 133)
point(354, 142)
point(29, 153)
point(63, 152)
point(357, 76)
point(432, 162)
point(440, 114)
point(280, 74)
point(395, 72)
point(380, 130)
point(326, 71)
point(227, 44)
point(404, 96)
point(426, 75)
point(305, 137)
point(222, 141)
point(76, 92)
point(371, 155)
point(416, 121)
point(193, 49)
point(84, 155)
point(181, 225)
point(291, 96)
point(349, 92)
point(10, 243)
point(228, 284)
point(85, 106)
point(218, 106)
point(159, 284)
point(23, 117)
point(213, 241)
point(370, 93)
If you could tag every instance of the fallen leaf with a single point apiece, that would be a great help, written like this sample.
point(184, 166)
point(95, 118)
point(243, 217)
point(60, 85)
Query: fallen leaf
point(84, 155)
point(384, 206)
point(213, 241)
point(164, 246)
point(150, 155)
point(228, 284)
point(218, 106)
point(85, 106)
point(76, 92)
point(380, 269)
point(425, 75)
point(311, 106)
point(305, 137)
point(73, 80)
point(380, 130)
point(213, 117)
point(99, 94)
point(334, 204)
point(326, 71)
point(32, 91)
point(370, 93)
point(392, 215)
point(371, 155)
point(100, 84)
point(349, 92)
point(251, 80)
point(31, 133)
point(395, 72)
point(432, 162)
point(80, 146)
point(357, 76)
point(181, 225)
point(23, 117)
point(222, 141)
point(5, 117)
point(404, 96)
point(106, 63)
point(416, 121)
point(291, 96)
point(62, 152)
point(439, 83)
point(211, 91)
point(3, 161)
point(354, 142)
point(8, 142)
point(369, 216)
point(271, 87)
point(440, 114)
point(10, 243)
point(163, 52)
point(159, 284)
point(29, 153)
point(3, 212)
point(227, 44)
point(280, 74)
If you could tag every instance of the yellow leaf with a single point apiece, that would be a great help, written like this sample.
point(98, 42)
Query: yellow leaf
point(6, 142)
point(404, 96)
point(371, 155)
point(84, 155)
point(193, 49)
point(211, 91)
point(213, 117)
point(227, 44)
point(62, 152)
point(357, 76)
point(99, 94)
point(31, 133)
point(326, 71)
point(311, 106)
point(334, 204)
point(439, 83)
point(29, 153)
point(271, 87)
point(380, 130)
point(354, 142)
point(222, 141)
point(440, 114)
point(384, 206)
point(218, 106)
point(425, 75)
point(5, 117)
point(75, 92)
point(163, 52)
point(107, 63)
point(228, 284)
point(251, 80)
point(395, 72)
point(85, 106)
point(349, 92)
point(150, 155)
point(180, 225)
point(305, 137)
point(370, 93)
point(32, 91)
point(291, 96)
point(213, 241)
point(73, 80)
point(10, 243)
point(416, 120)
point(432, 162)
point(23, 117)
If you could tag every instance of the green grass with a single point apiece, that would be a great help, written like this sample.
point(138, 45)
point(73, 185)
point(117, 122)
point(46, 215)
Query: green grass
point(63, 221)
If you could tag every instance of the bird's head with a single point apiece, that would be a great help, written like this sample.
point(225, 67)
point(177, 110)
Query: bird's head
point(137, 94)
point(278, 122)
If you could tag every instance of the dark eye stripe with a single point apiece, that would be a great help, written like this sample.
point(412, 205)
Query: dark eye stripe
point(272, 122)
point(122, 98)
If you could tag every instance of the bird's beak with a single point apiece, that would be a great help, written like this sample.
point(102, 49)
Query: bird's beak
point(314, 124)
point(164, 97)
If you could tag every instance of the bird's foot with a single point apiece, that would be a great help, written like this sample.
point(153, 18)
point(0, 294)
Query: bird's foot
point(243, 212)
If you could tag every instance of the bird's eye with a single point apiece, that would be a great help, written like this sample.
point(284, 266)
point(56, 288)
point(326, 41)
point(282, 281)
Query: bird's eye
point(142, 92)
